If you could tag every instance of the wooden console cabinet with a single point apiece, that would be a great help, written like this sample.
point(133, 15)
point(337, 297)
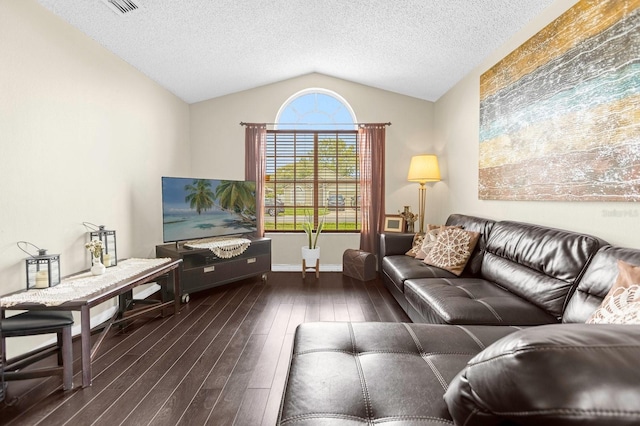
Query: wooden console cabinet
point(201, 269)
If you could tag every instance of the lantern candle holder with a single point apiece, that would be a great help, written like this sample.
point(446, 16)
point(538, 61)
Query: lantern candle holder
point(43, 270)
point(109, 256)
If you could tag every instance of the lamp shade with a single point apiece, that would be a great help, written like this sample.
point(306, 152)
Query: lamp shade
point(424, 168)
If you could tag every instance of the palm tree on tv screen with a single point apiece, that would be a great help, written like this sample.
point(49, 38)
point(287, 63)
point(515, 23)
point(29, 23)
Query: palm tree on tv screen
point(199, 195)
point(238, 197)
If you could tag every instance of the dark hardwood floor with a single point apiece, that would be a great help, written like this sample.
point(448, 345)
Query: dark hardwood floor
point(222, 361)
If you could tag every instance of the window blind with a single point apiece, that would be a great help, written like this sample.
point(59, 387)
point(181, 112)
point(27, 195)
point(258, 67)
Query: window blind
point(312, 174)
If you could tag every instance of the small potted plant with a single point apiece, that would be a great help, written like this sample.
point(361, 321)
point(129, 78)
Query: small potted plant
point(95, 248)
point(311, 252)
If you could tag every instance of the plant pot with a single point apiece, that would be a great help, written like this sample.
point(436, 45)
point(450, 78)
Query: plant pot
point(310, 255)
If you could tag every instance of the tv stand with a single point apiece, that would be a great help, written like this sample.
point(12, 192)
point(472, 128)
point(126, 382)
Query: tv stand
point(201, 269)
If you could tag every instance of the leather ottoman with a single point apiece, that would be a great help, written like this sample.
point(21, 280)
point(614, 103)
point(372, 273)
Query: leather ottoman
point(359, 264)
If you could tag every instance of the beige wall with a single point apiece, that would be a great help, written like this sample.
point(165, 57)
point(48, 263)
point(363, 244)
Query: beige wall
point(456, 129)
point(95, 135)
point(84, 137)
point(218, 146)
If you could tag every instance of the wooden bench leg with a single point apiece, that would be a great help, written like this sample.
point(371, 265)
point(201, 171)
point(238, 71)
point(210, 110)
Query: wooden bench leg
point(67, 359)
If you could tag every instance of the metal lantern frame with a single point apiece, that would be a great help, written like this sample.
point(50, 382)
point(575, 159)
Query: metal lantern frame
point(108, 238)
point(43, 270)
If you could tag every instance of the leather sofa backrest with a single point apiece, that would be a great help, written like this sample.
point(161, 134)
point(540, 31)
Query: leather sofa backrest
point(596, 282)
point(475, 224)
point(560, 374)
point(539, 264)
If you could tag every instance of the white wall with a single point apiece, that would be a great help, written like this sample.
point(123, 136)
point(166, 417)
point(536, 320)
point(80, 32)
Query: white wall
point(456, 119)
point(218, 146)
point(83, 137)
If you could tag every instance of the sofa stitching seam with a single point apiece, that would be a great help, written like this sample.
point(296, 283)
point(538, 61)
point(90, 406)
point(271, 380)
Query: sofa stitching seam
point(471, 295)
point(394, 418)
point(473, 337)
point(437, 373)
point(301, 417)
point(569, 411)
point(320, 415)
point(426, 359)
point(313, 351)
point(490, 309)
point(363, 382)
point(553, 348)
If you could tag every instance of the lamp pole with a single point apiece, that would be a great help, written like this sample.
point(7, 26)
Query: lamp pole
point(423, 168)
point(422, 198)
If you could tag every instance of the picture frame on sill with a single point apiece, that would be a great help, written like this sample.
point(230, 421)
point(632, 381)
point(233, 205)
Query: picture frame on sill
point(393, 223)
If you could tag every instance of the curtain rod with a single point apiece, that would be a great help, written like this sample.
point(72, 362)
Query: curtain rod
point(242, 123)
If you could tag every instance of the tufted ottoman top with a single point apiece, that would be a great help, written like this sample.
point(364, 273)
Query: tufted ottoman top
point(366, 373)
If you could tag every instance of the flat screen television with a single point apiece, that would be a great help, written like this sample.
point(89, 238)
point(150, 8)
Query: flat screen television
point(196, 209)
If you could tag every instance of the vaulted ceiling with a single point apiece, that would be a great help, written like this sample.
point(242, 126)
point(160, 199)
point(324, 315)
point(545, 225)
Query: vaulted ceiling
point(202, 49)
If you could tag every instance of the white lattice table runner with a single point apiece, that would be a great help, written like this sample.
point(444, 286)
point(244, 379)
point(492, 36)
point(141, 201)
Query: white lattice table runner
point(82, 285)
point(224, 247)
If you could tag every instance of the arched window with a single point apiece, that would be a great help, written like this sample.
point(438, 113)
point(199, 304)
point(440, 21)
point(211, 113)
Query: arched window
point(314, 109)
point(312, 164)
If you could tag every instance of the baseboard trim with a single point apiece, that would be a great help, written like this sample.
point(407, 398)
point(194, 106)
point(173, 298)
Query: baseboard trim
point(298, 268)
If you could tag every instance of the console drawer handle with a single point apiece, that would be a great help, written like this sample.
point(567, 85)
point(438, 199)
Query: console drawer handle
point(251, 260)
point(209, 269)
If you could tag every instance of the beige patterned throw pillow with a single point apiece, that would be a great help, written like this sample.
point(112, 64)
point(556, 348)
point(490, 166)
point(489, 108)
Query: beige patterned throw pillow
point(452, 249)
point(415, 247)
point(430, 238)
point(621, 305)
point(428, 242)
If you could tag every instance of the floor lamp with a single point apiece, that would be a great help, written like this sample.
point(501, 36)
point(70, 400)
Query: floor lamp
point(423, 168)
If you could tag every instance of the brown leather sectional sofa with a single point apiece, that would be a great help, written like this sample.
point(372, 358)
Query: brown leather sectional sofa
point(503, 344)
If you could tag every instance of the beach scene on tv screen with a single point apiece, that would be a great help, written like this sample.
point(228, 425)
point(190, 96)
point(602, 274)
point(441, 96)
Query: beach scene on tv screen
point(202, 208)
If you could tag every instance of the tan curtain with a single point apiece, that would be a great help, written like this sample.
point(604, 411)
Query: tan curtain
point(371, 140)
point(255, 142)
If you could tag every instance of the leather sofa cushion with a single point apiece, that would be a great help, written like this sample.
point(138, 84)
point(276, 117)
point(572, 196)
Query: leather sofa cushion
point(564, 374)
point(471, 301)
point(401, 268)
point(597, 281)
point(539, 264)
point(361, 373)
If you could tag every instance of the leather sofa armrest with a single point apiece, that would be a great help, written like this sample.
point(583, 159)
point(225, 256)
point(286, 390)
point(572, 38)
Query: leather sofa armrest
point(561, 374)
point(392, 244)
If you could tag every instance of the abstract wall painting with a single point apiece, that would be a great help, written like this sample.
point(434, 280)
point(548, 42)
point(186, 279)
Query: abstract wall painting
point(560, 115)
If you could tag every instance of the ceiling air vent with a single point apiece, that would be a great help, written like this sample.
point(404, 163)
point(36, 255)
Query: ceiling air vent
point(123, 7)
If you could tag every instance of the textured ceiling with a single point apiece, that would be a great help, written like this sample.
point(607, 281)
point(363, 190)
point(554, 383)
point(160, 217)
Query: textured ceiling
point(202, 49)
